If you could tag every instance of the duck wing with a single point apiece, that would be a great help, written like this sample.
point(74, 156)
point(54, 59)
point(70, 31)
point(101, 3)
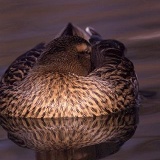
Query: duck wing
point(110, 64)
point(19, 68)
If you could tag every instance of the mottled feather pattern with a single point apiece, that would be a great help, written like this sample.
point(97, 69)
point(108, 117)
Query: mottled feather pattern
point(112, 66)
point(59, 82)
point(18, 70)
point(64, 98)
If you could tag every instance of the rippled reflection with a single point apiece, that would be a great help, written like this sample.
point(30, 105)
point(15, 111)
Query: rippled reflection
point(72, 138)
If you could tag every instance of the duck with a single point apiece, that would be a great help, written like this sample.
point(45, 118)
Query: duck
point(77, 74)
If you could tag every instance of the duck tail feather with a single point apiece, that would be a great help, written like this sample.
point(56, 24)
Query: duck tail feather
point(94, 35)
point(73, 30)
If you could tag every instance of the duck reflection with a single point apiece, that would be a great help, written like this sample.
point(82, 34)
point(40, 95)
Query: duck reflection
point(72, 138)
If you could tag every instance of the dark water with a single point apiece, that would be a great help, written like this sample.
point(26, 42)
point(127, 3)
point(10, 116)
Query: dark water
point(136, 23)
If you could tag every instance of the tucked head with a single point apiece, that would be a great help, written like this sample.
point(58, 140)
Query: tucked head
point(67, 54)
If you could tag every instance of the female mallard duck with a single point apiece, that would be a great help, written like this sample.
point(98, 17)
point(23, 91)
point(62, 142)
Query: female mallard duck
point(62, 79)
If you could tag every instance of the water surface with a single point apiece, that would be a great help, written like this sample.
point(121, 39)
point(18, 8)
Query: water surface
point(135, 23)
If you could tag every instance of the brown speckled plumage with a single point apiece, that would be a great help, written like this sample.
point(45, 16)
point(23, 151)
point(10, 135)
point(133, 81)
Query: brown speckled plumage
point(18, 70)
point(61, 83)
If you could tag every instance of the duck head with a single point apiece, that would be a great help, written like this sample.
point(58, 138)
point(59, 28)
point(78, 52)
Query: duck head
point(66, 54)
